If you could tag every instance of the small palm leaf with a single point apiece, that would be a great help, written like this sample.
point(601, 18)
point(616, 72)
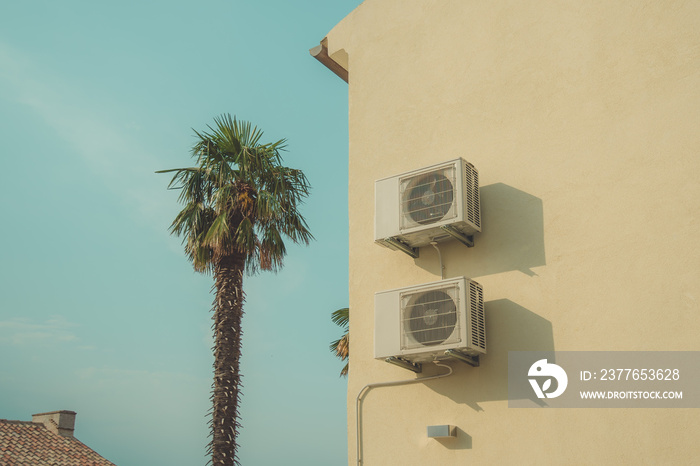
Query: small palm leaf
point(341, 346)
point(341, 317)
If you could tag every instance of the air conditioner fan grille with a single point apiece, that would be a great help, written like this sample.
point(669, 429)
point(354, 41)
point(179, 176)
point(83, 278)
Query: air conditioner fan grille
point(430, 318)
point(428, 198)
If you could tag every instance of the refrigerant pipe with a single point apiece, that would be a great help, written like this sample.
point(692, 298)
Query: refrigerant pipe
point(366, 388)
point(442, 269)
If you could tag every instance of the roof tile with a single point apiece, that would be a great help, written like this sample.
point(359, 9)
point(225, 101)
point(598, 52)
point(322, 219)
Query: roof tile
point(32, 444)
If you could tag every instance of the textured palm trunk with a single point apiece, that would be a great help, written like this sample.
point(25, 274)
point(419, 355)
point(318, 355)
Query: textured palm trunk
point(228, 312)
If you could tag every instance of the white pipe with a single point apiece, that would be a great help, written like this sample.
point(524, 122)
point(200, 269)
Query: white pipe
point(366, 388)
point(442, 269)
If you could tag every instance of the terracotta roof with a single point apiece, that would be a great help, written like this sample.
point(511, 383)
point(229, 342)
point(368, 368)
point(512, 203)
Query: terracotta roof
point(32, 444)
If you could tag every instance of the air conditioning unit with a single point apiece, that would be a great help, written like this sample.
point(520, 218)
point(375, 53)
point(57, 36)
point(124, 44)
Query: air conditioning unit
point(437, 320)
point(431, 204)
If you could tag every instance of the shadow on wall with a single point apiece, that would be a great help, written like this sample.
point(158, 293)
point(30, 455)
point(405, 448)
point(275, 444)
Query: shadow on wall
point(509, 327)
point(461, 441)
point(512, 237)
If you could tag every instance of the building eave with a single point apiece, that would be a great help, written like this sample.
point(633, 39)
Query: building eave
point(320, 53)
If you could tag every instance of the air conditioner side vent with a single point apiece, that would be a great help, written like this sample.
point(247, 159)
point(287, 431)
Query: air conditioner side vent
point(471, 187)
point(478, 324)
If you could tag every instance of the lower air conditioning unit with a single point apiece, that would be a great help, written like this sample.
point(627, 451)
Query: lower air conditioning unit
point(430, 204)
point(431, 321)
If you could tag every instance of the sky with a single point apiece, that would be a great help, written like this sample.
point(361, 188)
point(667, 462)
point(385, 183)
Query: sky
point(100, 311)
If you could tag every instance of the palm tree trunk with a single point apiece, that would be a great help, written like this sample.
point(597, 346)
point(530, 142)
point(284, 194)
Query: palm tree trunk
point(228, 312)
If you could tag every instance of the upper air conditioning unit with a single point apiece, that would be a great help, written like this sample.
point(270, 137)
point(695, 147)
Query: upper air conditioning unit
point(437, 320)
point(430, 204)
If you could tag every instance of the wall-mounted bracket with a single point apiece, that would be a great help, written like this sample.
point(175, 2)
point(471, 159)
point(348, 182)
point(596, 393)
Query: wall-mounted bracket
point(403, 247)
point(471, 360)
point(467, 240)
point(411, 366)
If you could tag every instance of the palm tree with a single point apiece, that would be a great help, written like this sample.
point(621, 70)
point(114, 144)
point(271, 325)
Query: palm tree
point(341, 346)
point(239, 202)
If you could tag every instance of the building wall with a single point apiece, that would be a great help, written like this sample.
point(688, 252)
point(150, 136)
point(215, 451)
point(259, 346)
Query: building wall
point(582, 119)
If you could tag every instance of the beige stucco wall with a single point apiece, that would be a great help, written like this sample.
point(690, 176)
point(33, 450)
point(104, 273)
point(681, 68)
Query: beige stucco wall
point(582, 118)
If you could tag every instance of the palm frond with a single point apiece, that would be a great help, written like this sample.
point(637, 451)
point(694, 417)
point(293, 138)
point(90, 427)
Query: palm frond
point(341, 317)
point(239, 198)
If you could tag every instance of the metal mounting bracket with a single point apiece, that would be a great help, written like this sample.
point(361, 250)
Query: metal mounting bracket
point(411, 366)
point(403, 247)
point(471, 360)
point(467, 240)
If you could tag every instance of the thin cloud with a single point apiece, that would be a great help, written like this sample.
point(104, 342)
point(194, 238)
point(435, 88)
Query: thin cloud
point(21, 331)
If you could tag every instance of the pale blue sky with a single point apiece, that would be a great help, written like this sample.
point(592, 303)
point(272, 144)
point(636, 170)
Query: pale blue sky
point(100, 311)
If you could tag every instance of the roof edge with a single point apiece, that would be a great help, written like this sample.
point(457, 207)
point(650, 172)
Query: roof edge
point(320, 53)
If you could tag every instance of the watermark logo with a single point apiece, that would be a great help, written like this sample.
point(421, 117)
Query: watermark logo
point(542, 369)
point(603, 379)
